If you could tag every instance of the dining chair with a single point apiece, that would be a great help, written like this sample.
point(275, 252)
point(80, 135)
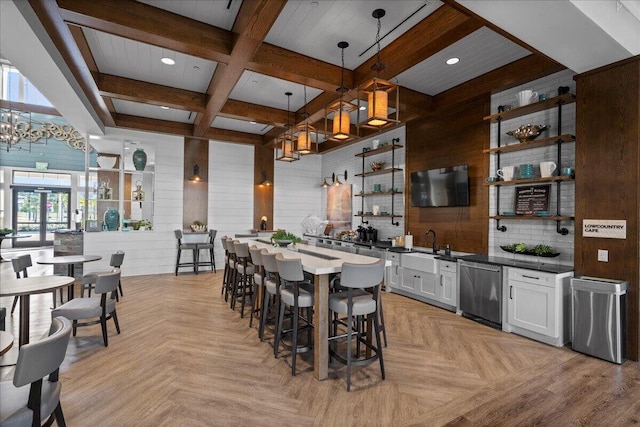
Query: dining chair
point(20, 265)
point(243, 285)
point(258, 282)
point(271, 296)
point(299, 295)
point(225, 274)
point(357, 305)
point(233, 272)
point(30, 406)
point(88, 280)
point(189, 247)
point(101, 306)
point(208, 246)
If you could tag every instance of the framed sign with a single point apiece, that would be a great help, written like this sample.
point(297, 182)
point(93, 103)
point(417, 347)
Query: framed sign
point(532, 199)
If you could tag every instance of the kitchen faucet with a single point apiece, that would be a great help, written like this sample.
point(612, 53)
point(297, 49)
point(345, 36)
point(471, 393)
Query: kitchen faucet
point(426, 237)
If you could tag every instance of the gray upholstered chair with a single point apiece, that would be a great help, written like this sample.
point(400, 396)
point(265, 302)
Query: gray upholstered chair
point(233, 273)
point(243, 285)
point(208, 246)
point(356, 305)
point(299, 295)
point(88, 280)
point(101, 306)
point(20, 265)
point(30, 406)
point(186, 247)
point(271, 296)
point(258, 282)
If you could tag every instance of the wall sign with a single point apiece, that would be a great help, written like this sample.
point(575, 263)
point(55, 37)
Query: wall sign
point(532, 199)
point(604, 228)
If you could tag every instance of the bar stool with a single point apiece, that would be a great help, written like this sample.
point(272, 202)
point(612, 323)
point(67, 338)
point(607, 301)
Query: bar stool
point(271, 298)
point(225, 274)
point(209, 247)
point(297, 296)
point(231, 250)
point(258, 282)
point(243, 285)
point(186, 246)
point(356, 305)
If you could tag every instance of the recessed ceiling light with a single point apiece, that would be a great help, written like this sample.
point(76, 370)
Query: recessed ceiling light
point(362, 108)
point(253, 122)
point(167, 61)
point(452, 61)
point(164, 107)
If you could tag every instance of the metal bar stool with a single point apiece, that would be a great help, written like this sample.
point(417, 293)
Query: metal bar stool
point(231, 250)
point(209, 245)
point(243, 285)
point(271, 297)
point(225, 275)
point(258, 282)
point(356, 305)
point(186, 246)
point(297, 296)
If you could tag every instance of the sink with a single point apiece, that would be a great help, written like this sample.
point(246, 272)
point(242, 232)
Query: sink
point(420, 261)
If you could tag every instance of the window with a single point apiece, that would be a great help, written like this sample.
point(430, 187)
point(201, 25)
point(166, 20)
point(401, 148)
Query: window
point(17, 88)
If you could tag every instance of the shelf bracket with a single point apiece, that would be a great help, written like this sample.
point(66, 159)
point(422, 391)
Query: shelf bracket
point(397, 223)
point(561, 230)
point(500, 228)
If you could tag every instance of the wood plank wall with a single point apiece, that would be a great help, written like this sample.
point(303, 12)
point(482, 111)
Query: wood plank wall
point(196, 194)
point(450, 139)
point(263, 195)
point(607, 177)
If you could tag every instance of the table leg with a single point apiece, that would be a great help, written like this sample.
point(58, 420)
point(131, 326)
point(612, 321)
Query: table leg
point(24, 320)
point(70, 288)
point(321, 327)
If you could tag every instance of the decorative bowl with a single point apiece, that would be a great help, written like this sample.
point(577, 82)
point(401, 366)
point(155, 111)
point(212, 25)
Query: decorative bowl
point(376, 166)
point(106, 162)
point(283, 242)
point(527, 132)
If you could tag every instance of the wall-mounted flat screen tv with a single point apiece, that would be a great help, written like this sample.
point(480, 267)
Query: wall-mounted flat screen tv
point(440, 187)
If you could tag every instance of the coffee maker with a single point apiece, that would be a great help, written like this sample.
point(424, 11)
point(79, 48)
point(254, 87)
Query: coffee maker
point(372, 234)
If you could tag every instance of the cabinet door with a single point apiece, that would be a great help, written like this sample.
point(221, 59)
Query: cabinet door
point(532, 307)
point(393, 275)
point(408, 280)
point(427, 285)
point(448, 288)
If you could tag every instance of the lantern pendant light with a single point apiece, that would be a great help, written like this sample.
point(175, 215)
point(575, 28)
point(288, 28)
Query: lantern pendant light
point(340, 109)
point(286, 140)
point(377, 91)
point(304, 142)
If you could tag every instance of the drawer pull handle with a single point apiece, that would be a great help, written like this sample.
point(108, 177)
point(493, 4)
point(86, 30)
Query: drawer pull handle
point(530, 277)
point(510, 292)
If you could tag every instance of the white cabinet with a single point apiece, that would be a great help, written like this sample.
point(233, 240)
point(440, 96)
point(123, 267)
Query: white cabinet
point(392, 276)
point(448, 282)
point(538, 305)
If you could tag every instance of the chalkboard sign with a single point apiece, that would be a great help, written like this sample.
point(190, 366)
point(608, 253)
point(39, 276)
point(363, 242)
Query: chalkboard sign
point(532, 199)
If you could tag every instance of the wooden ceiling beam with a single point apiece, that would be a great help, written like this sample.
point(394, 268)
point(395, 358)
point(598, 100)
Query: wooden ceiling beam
point(150, 93)
point(49, 16)
point(31, 108)
point(519, 72)
point(152, 125)
point(434, 33)
point(234, 109)
point(150, 25)
point(233, 136)
point(252, 24)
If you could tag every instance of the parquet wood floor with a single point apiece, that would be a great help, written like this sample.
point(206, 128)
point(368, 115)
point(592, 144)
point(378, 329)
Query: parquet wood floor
point(185, 359)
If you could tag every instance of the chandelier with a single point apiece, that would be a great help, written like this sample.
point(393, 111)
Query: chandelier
point(17, 130)
point(285, 145)
point(377, 91)
point(304, 142)
point(340, 109)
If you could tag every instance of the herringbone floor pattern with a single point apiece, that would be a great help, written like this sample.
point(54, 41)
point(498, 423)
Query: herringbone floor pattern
point(185, 359)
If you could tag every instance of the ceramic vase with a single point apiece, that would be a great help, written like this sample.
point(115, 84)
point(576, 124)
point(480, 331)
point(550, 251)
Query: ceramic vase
point(112, 219)
point(139, 159)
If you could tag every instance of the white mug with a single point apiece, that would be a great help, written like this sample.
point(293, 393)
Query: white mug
point(525, 97)
point(547, 169)
point(506, 172)
point(376, 209)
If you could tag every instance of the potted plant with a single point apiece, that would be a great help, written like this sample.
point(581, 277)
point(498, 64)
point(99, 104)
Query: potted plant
point(6, 231)
point(198, 227)
point(282, 238)
point(145, 224)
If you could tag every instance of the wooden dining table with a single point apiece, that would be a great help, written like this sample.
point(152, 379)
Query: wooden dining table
point(12, 236)
point(26, 287)
point(321, 263)
point(70, 261)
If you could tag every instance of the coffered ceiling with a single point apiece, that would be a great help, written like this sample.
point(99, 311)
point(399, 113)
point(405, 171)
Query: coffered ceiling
point(235, 59)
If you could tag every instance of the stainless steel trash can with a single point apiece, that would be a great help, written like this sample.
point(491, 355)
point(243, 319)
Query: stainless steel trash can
point(598, 317)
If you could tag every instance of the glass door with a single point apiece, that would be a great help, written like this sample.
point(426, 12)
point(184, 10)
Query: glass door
point(39, 211)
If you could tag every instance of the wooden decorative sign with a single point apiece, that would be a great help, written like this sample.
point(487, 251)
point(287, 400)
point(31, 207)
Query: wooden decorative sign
point(532, 199)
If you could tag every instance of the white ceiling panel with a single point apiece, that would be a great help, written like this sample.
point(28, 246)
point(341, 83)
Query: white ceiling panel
point(270, 91)
point(480, 52)
point(134, 60)
point(314, 28)
point(240, 126)
point(212, 12)
point(152, 111)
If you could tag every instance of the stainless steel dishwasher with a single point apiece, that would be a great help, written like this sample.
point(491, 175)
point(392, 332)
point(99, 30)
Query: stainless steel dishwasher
point(481, 292)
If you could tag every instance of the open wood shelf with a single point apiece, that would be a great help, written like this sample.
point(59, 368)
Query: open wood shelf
point(532, 144)
point(534, 107)
point(534, 217)
point(530, 181)
point(379, 216)
point(378, 193)
point(379, 150)
point(380, 172)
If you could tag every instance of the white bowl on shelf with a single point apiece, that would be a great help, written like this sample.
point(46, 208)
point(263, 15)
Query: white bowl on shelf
point(106, 162)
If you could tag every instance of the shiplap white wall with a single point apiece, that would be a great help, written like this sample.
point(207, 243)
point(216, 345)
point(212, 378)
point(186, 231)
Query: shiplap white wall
point(147, 252)
point(344, 159)
point(297, 192)
point(535, 232)
point(230, 191)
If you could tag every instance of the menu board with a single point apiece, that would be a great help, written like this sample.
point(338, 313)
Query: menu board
point(532, 199)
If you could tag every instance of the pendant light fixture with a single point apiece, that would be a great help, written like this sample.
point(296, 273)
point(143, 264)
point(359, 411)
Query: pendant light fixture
point(304, 142)
point(377, 91)
point(286, 140)
point(340, 109)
